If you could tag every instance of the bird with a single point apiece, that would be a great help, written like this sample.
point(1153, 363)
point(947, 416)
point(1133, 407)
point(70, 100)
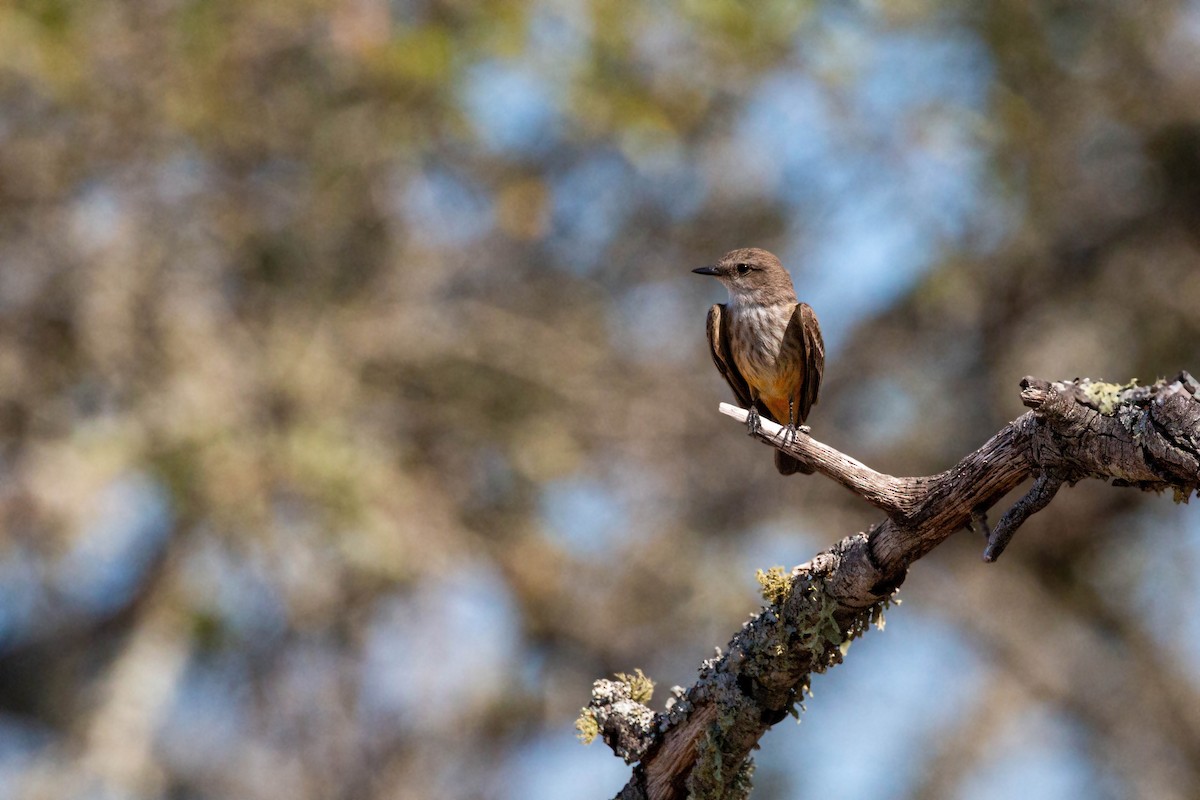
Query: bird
point(766, 344)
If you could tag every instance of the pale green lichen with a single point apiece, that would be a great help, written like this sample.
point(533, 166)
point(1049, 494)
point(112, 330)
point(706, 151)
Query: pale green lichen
point(775, 584)
point(709, 778)
point(742, 782)
point(641, 688)
point(1106, 396)
point(822, 631)
point(625, 698)
point(706, 778)
point(587, 726)
point(706, 781)
point(798, 634)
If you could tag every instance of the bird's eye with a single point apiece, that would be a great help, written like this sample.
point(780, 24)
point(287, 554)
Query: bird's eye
point(742, 269)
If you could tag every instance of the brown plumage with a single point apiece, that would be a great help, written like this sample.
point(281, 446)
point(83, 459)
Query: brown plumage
point(765, 343)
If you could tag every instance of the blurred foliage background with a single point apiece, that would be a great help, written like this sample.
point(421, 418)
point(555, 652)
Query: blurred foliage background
point(356, 414)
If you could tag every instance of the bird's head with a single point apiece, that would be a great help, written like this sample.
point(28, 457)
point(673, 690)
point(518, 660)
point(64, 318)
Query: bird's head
point(752, 276)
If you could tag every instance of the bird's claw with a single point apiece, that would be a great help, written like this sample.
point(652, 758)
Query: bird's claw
point(753, 422)
point(787, 436)
point(790, 431)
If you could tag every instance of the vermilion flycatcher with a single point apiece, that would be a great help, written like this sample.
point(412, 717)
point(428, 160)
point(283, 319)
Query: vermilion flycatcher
point(765, 343)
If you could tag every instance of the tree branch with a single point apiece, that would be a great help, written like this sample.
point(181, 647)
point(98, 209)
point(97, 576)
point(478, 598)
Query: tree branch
point(1146, 437)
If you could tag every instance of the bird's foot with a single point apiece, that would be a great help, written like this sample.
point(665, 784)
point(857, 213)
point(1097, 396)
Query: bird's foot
point(790, 431)
point(787, 436)
point(753, 422)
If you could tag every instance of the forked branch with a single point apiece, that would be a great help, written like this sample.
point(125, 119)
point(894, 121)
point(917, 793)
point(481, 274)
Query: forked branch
point(1145, 437)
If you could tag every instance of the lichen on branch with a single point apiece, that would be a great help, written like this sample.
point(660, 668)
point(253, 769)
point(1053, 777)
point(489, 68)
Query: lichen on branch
point(1147, 437)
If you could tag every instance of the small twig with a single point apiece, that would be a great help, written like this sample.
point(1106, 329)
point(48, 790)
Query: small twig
point(894, 496)
point(1035, 500)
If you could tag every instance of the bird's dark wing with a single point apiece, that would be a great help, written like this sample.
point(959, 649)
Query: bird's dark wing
point(803, 329)
point(718, 343)
point(809, 333)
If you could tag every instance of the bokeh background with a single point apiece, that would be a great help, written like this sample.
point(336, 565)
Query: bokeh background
point(356, 414)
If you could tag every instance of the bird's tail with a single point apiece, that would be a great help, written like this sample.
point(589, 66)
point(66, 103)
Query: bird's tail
point(790, 465)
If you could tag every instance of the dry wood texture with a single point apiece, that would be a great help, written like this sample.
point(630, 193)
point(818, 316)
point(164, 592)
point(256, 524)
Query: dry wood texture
point(1144, 437)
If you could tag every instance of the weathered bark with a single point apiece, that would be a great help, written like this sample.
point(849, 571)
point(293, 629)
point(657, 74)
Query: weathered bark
point(1145, 437)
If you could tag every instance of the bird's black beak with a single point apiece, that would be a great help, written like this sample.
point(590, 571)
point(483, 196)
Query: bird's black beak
point(706, 271)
